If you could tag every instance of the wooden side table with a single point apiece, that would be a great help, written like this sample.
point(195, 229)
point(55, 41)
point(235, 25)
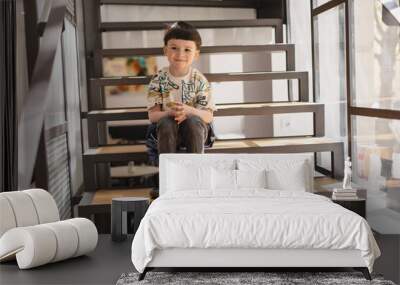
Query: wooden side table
point(357, 205)
point(119, 214)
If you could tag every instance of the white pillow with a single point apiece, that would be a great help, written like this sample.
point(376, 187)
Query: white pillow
point(224, 179)
point(183, 177)
point(251, 178)
point(296, 179)
point(228, 179)
point(282, 174)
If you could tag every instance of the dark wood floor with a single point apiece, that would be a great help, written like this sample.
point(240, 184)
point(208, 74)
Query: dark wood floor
point(103, 266)
point(111, 259)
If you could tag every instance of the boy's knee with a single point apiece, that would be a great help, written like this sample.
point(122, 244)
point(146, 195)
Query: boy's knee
point(166, 125)
point(196, 128)
point(194, 123)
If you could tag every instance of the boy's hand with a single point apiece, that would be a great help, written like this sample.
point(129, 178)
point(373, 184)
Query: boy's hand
point(181, 112)
point(172, 111)
point(180, 118)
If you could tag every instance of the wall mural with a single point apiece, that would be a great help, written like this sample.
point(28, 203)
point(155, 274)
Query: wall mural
point(128, 66)
point(125, 96)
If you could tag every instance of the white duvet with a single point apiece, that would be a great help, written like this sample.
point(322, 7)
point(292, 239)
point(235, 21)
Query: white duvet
point(250, 219)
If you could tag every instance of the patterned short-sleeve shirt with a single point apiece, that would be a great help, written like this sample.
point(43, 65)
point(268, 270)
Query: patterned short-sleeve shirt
point(192, 89)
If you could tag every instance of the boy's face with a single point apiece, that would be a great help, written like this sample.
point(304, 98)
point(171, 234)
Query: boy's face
point(180, 54)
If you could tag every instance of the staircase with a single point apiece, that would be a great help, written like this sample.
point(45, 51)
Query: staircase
point(97, 114)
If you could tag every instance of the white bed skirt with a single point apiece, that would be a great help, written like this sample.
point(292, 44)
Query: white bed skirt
point(189, 257)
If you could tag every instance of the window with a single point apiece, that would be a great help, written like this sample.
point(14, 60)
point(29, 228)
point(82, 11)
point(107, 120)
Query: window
point(375, 111)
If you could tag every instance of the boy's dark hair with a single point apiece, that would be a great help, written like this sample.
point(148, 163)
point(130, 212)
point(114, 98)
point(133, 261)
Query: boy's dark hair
point(182, 31)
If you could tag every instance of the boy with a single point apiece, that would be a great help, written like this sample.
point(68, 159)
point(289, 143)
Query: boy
point(180, 104)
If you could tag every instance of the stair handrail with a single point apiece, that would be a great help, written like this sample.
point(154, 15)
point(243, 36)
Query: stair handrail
point(393, 8)
point(34, 105)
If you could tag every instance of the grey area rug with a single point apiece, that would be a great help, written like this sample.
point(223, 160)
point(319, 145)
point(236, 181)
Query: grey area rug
point(269, 278)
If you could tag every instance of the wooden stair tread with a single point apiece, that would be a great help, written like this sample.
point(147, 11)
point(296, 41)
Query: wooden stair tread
point(268, 104)
point(116, 149)
point(135, 113)
point(180, 3)
point(248, 143)
point(128, 122)
point(211, 77)
point(118, 111)
point(219, 106)
point(237, 109)
point(138, 171)
point(200, 24)
point(225, 144)
point(301, 76)
point(319, 182)
point(204, 49)
point(104, 196)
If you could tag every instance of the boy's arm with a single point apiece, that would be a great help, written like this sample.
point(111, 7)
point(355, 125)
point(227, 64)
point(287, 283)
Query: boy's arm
point(155, 113)
point(205, 114)
point(183, 111)
point(204, 105)
point(155, 101)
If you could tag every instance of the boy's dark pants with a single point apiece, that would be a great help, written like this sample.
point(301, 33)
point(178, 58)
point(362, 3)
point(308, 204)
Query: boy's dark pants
point(191, 133)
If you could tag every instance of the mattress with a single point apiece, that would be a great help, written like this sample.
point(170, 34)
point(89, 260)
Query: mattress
point(250, 219)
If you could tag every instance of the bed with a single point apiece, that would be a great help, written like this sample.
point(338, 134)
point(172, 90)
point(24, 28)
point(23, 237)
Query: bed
point(247, 210)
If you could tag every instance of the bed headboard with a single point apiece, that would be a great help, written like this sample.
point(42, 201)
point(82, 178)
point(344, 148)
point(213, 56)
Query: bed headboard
point(287, 163)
